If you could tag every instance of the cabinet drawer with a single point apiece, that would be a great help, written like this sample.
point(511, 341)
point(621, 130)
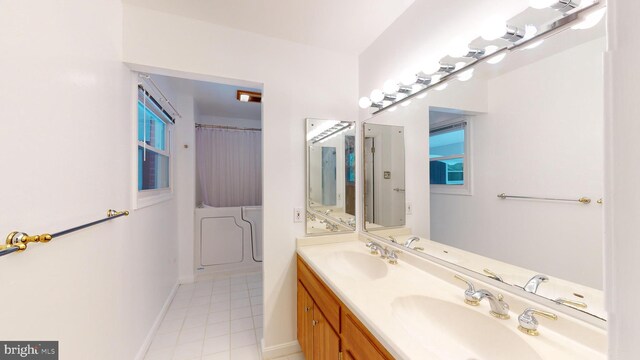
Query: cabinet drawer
point(322, 296)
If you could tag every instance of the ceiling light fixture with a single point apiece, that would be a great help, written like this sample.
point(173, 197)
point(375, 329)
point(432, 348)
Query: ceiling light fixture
point(564, 6)
point(248, 96)
point(417, 83)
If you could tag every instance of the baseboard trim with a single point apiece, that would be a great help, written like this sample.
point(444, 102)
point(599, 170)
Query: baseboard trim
point(156, 324)
point(280, 350)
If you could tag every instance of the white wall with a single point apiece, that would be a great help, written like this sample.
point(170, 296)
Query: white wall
point(622, 194)
point(299, 82)
point(535, 140)
point(66, 101)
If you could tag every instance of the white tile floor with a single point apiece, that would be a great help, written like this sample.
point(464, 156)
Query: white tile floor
point(213, 320)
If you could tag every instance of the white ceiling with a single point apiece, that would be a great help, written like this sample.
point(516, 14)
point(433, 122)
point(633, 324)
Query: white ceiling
point(213, 99)
point(347, 26)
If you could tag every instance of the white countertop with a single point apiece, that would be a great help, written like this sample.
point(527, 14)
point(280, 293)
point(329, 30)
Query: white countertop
point(370, 297)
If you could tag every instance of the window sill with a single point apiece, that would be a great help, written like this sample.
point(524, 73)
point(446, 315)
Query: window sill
point(451, 190)
point(152, 197)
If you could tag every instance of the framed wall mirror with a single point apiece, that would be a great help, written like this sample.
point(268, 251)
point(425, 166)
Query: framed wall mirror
point(504, 171)
point(331, 176)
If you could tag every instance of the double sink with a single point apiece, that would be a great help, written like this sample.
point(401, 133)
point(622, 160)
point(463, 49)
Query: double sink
point(420, 314)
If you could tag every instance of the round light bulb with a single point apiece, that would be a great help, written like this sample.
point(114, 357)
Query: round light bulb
point(496, 59)
point(390, 87)
point(364, 102)
point(435, 78)
point(416, 88)
point(408, 78)
point(376, 96)
point(494, 29)
point(541, 4)
point(490, 50)
point(460, 65)
point(590, 20)
point(400, 96)
point(465, 75)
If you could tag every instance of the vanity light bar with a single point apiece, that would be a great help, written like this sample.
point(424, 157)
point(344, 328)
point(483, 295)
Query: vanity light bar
point(516, 37)
point(335, 129)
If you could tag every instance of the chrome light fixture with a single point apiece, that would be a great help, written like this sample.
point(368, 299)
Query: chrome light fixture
point(564, 6)
point(435, 74)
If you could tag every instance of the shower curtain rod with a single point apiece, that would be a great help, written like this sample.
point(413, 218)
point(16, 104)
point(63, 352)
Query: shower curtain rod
point(225, 127)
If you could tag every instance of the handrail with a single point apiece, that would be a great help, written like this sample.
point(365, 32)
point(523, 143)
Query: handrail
point(17, 241)
point(584, 200)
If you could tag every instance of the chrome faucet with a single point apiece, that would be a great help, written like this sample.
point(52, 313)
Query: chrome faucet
point(328, 211)
point(533, 283)
point(384, 252)
point(499, 308)
point(410, 241)
point(470, 297)
point(528, 324)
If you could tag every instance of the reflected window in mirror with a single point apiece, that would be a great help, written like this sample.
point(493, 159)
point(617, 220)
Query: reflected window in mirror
point(449, 157)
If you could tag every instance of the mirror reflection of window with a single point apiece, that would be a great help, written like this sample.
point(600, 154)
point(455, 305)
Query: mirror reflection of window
point(447, 154)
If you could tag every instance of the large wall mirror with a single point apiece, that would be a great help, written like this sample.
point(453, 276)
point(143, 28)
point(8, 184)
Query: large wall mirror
point(331, 176)
point(384, 199)
point(504, 172)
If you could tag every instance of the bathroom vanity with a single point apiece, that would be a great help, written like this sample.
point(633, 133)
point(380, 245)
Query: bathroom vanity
point(355, 305)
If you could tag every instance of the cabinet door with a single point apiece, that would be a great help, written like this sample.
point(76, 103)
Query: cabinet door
point(357, 344)
point(305, 319)
point(326, 343)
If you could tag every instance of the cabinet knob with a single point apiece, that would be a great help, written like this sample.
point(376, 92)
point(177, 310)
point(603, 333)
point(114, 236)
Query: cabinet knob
point(307, 308)
point(314, 322)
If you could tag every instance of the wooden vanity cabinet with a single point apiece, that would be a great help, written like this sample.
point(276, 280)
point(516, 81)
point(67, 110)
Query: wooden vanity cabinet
point(327, 329)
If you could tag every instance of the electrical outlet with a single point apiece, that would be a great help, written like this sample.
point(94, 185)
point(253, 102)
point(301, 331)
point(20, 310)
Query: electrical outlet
point(297, 215)
point(409, 208)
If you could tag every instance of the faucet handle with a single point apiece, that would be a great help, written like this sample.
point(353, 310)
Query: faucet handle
point(469, 294)
point(493, 275)
point(573, 303)
point(528, 324)
point(392, 255)
point(373, 247)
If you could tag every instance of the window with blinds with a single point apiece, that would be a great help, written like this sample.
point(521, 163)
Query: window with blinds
point(447, 154)
point(154, 143)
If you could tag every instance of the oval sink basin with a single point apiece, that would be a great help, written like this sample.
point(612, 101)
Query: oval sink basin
point(451, 331)
point(357, 266)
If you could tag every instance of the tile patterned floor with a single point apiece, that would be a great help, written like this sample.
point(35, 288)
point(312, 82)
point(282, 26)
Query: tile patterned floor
point(219, 319)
